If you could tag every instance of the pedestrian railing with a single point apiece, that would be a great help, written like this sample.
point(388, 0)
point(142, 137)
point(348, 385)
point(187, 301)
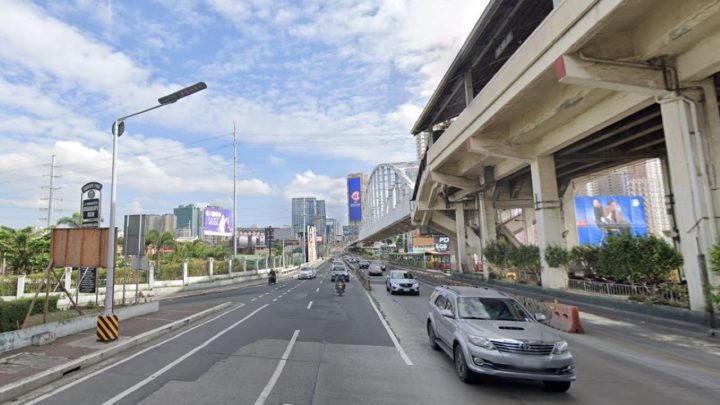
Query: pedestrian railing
point(669, 292)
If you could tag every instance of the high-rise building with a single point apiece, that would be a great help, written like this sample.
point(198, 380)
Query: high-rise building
point(421, 143)
point(189, 221)
point(308, 211)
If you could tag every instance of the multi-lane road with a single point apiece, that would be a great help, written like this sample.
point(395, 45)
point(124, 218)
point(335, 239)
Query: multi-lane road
point(299, 343)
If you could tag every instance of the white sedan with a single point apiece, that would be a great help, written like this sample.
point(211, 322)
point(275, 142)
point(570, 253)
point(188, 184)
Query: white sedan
point(306, 273)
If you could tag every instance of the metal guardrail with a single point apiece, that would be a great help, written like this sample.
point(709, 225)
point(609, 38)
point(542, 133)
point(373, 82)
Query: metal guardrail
point(364, 280)
point(676, 292)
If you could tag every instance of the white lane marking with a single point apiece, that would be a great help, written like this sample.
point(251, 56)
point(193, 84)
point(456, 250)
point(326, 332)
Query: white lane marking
point(119, 362)
point(321, 281)
point(317, 289)
point(274, 299)
point(390, 333)
point(309, 305)
point(253, 299)
point(278, 370)
point(160, 372)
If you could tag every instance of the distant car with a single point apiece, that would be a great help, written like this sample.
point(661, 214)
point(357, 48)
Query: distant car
point(486, 332)
point(339, 273)
point(374, 270)
point(364, 264)
point(306, 273)
point(401, 281)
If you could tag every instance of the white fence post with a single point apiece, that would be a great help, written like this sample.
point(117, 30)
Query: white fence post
point(68, 278)
point(230, 266)
point(151, 276)
point(20, 286)
point(257, 264)
point(185, 273)
point(244, 264)
point(211, 261)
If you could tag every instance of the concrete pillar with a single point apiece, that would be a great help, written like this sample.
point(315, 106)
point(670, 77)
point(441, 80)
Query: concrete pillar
point(460, 231)
point(185, 273)
point(68, 278)
point(711, 115)
point(568, 209)
point(20, 286)
point(548, 217)
point(528, 217)
point(211, 265)
point(488, 228)
point(693, 205)
point(244, 264)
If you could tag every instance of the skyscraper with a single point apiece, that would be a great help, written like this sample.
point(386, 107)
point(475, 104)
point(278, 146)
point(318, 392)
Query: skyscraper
point(189, 221)
point(314, 214)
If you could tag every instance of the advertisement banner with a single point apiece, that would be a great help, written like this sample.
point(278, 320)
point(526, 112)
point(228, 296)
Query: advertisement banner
point(218, 222)
point(354, 199)
point(442, 243)
point(602, 216)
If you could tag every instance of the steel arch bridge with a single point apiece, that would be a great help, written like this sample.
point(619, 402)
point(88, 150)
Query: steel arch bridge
point(387, 202)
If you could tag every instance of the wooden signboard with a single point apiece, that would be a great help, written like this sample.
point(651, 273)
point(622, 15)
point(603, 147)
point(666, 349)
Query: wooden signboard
point(80, 247)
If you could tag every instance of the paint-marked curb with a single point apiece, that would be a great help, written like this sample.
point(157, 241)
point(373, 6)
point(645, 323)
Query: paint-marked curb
point(14, 390)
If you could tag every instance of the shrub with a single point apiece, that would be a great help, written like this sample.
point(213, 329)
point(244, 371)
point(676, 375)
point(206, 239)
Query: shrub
point(557, 256)
point(638, 260)
point(497, 253)
point(586, 256)
point(12, 313)
point(526, 258)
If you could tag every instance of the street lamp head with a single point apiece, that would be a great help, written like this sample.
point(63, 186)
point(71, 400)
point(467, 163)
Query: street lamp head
point(171, 98)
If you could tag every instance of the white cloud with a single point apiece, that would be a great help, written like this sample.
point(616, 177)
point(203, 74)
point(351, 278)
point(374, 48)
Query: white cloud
point(320, 186)
point(276, 160)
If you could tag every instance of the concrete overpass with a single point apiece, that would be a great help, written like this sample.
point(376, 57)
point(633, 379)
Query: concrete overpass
point(546, 91)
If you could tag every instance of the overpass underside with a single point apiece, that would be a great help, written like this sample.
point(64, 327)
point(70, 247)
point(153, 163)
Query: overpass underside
point(597, 84)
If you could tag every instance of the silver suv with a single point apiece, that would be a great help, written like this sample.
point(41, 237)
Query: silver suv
point(487, 332)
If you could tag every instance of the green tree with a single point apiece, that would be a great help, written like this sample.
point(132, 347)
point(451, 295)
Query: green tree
point(73, 221)
point(557, 256)
point(586, 256)
point(526, 258)
point(638, 260)
point(497, 253)
point(159, 240)
point(25, 249)
point(714, 292)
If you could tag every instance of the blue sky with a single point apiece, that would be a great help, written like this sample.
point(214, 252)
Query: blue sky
point(316, 89)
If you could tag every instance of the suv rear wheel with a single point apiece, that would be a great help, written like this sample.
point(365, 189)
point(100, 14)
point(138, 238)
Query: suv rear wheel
point(464, 373)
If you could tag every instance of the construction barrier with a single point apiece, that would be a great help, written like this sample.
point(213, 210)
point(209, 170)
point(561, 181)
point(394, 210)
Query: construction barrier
point(565, 318)
point(108, 328)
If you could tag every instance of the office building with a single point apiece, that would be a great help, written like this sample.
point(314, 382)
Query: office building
point(307, 211)
point(189, 219)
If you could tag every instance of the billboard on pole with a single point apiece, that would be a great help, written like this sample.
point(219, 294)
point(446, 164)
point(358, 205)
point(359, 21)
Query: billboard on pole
point(218, 222)
point(603, 216)
point(354, 199)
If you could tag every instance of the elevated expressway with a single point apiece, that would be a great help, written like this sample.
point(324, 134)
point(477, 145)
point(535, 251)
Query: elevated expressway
point(543, 92)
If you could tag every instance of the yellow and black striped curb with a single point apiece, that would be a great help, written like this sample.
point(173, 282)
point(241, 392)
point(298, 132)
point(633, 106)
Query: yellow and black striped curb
point(108, 328)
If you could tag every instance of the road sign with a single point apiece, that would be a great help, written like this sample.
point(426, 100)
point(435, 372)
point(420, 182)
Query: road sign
point(88, 279)
point(90, 206)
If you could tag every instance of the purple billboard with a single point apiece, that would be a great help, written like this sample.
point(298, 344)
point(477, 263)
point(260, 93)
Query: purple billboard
point(218, 222)
point(354, 199)
point(603, 216)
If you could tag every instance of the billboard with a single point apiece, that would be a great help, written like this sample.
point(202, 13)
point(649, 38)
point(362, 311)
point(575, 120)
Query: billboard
point(441, 243)
point(218, 222)
point(354, 199)
point(602, 216)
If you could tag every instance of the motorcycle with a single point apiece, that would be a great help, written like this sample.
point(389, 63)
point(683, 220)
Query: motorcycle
point(340, 288)
point(272, 279)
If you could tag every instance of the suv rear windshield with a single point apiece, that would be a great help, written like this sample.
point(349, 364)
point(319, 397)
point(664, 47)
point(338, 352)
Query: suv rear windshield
point(496, 309)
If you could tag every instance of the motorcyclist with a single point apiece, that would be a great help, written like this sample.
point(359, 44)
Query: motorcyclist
point(339, 284)
point(272, 277)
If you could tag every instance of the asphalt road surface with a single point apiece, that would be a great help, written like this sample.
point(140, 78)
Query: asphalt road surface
point(300, 343)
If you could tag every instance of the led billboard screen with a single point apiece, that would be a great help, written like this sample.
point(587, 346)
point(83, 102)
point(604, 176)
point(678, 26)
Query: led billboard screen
point(599, 217)
point(354, 199)
point(218, 222)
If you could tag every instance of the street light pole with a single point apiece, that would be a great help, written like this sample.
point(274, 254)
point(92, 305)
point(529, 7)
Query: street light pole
point(117, 130)
point(234, 221)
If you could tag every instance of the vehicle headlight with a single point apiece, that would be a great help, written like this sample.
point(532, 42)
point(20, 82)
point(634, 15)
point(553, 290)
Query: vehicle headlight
point(480, 341)
point(561, 347)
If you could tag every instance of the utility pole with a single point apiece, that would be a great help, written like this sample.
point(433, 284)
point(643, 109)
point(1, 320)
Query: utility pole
point(51, 188)
point(234, 225)
point(304, 246)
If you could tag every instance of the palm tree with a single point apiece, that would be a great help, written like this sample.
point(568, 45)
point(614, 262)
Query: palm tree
point(159, 241)
point(74, 221)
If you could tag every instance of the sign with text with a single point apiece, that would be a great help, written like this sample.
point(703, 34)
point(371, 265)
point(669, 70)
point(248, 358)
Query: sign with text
point(354, 199)
point(90, 206)
point(88, 279)
point(442, 243)
point(218, 222)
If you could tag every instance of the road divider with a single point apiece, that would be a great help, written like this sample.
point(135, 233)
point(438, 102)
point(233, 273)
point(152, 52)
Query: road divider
point(565, 318)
